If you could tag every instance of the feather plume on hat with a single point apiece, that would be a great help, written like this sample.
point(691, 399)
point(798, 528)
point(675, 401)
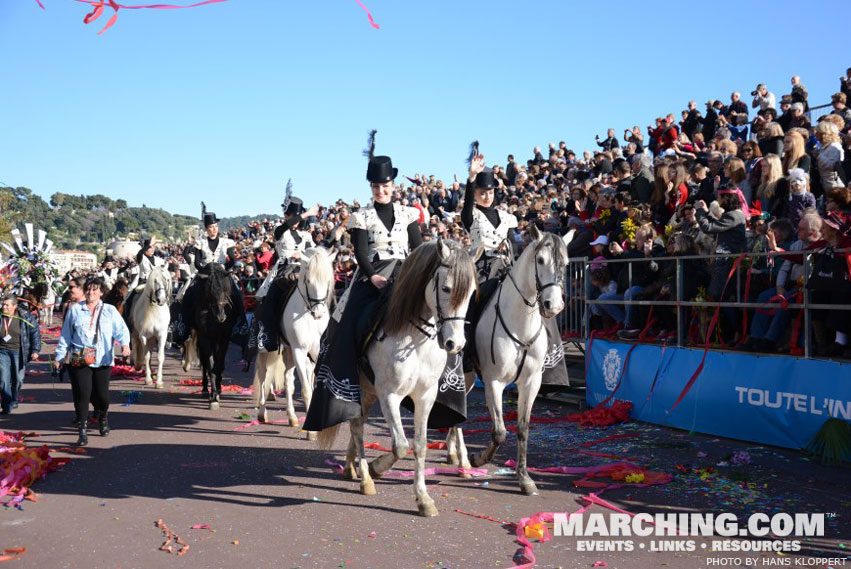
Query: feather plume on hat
point(474, 151)
point(370, 145)
point(203, 211)
point(288, 194)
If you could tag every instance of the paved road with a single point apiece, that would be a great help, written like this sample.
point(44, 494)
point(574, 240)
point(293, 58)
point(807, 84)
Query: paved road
point(272, 501)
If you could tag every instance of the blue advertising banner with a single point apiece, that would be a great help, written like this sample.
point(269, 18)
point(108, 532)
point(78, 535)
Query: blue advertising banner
point(775, 400)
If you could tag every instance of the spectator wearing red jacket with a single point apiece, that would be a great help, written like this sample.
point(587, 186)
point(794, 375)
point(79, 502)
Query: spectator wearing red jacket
point(264, 257)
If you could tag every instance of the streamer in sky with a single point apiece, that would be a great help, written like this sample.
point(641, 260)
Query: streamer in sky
point(368, 15)
point(99, 5)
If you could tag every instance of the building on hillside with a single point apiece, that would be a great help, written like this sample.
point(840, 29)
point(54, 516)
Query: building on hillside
point(80, 260)
point(123, 249)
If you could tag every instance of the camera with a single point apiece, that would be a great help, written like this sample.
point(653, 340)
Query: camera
point(754, 93)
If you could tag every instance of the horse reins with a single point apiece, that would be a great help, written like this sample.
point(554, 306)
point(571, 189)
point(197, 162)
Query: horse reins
point(539, 288)
point(441, 319)
point(308, 300)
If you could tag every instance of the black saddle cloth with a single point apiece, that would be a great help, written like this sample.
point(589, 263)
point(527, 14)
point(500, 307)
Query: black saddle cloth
point(450, 406)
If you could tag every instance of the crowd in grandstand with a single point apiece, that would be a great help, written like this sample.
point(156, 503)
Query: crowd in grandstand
point(736, 178)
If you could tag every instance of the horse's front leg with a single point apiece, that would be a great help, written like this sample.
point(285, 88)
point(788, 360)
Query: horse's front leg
point(452, 445)
point(289, 386)
point(422, 409)
point(259, 384)
point(493, 395)
point(463, 458)
point(305, 374)
point(390, 408)
point(161, 358)
point(526, 393)
point(367, 485)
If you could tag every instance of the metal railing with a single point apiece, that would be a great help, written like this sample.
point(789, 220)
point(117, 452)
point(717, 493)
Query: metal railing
point(815, 113)
point(575, 321)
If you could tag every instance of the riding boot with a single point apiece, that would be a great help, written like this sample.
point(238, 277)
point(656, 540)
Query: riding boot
point(84, 436)
point(104, 425)
point(267, 325)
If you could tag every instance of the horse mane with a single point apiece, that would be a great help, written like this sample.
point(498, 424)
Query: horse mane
point(559, 251)
point(317, 269)
point(408, 297)
point(219, 283)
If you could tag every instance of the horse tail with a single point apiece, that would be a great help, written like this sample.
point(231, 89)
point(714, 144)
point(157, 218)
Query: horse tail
point(326, 438)
point(190, 352)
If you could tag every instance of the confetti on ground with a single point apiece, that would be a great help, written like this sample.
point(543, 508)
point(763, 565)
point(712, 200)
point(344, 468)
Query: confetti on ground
point(171, 538)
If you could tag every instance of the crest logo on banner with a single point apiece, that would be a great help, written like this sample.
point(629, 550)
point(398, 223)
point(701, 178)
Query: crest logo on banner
point(611, 368)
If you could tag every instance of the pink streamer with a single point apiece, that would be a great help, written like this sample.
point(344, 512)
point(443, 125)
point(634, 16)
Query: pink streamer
point(592, 498)
point(428, 471)
point(255, 423)
point(437, 470)
point(368, 15)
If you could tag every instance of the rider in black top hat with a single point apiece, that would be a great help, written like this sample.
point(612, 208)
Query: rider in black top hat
point(489, 227)
point(291, 239)
point(383, 234)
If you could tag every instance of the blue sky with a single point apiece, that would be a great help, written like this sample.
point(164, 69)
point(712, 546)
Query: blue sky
point(225, 102)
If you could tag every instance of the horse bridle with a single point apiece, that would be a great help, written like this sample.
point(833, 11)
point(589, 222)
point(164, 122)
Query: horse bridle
point(311, 302)
point(158, 288)
point(441, 319)
point(539, 287)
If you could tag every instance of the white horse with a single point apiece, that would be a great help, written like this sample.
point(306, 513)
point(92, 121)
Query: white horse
point(303, 321)
point(511, 345)
point(150, 318)
point(46, 305)
point(425, 321)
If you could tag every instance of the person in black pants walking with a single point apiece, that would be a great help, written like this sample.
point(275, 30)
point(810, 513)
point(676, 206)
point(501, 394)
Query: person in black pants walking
point(86, 347)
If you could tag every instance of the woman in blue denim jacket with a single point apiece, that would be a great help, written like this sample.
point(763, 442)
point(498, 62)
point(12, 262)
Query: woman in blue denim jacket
point(20, 342)
point(86, 345)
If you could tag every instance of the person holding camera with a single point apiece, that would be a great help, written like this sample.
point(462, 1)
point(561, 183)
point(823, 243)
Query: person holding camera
point(85, 346)
point(763, 98)
point(610, 142)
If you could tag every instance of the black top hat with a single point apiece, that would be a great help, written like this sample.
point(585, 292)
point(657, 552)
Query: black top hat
point(380, 169)
point(295, 207)
point(108, 259)
point(485, 180)
point(145, 242)
point(210, 218)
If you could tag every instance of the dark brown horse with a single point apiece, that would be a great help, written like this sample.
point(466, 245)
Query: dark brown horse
point(215, 317)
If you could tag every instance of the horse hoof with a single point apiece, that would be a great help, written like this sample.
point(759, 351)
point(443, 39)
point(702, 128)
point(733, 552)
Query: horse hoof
point(463, 474)
point(311, 435)
point(477, 460)
point(374, 473)
point(529, 489)
point(294, 422)
point(367, 488)
point(261, 416)
point(214, 405)
point(427, 510)
point(149, 382)
point(272, 396)
point(160, 385)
